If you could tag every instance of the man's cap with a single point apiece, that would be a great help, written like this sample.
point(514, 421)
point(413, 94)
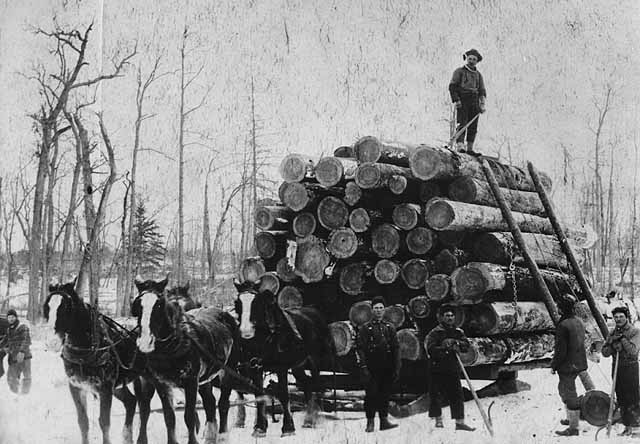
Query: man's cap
point(11, 312)
point(623, 310)
point(474, 52)
point(378, 300)
point(445, 308)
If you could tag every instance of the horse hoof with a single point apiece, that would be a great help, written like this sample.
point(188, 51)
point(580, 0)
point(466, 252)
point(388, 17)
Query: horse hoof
point(257, 433)
point(308, 425)
point(239, 425)
point(223, 438)
point(288, 433)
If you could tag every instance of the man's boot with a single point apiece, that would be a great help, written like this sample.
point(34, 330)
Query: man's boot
point(385, 424)
point(470, 149)
point(460, 425)
point(574, 422)
point(370, 425)
point(460, 147)
point(439, 423)
point(565, 422)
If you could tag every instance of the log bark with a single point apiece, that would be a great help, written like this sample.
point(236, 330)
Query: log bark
point(304, 224)
point(332, 171)
point(430, 163)
point(295, 168)
point(437, 287)
point(471, 190)
point(361, 219)
point(332, 213)
point(419, 307)
point(299, 196)
point(386, 271)
point(270, 281)
point(505, 317)
point(271, 244)
point(344, 337)
point(484, 351)
point(395, 315)
point(420, 240)
point(406, 216)
point(443, 214)
point(343, 243)
point(371, 149)
point(311, 259)
point(355, 276)
point(411, 347)
point(290, 297)
point(511, 350)
point(344, 152)
point(478, 281)
point(386, 241)
point(415, 273)
point(379, 175)
point(285, 272)
point(273, 218)
point(500, 248)
point(251, 269)
point(360, 313)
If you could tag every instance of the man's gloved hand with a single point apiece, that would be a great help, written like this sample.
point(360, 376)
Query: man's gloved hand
point(617, 346)
point(365, 375)
point(458, 104)
point(20, 357)
point(482, 108)
point(451, 344)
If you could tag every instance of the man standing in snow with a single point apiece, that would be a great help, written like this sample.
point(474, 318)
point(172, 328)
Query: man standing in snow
point(569, 359)
point(443, 344)
point(17, 344)
point(624, 341)
point(468, 95)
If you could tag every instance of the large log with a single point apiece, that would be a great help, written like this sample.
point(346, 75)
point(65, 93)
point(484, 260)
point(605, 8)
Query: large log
point(311, 259)
point(485, 351)
point(343, 243)
point(411, 347)
point(360, 313)
point(298, 196)
point(406, 216)
point(476, 191)
point(395, 315)
point(344, 337)
point(361, 219)
point(415, 273)
point(437, 287)
point(332, 213)
point(510, 350)
point(505, 317)
point(251, 269)
point(371, 149)
point(500, 248)
point(420, 240)
point(378, 175)
point(270, 281)
point(290, 297)
point(271, 244)
point(419, 307)
point(332, 171)
point(386, 271)
point(295, 168)
point(386, 241)
point(481, 281)
point(430, 163)
point(273, 218)
point(354, 277)
point(286, 273)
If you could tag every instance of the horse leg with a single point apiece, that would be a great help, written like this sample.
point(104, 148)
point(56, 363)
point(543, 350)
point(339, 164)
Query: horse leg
point(80, 400)
point(164, 391)
point(106, 398)
point(288, 428)
point(261, 424)
point(209, 404)
point(241, 413)
point(144, 393)
point(305, 382)
point(129, 401)
point(223, 407)
point(190, 414)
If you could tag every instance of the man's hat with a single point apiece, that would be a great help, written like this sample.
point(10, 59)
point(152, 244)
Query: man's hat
point(378, 300)
point(472, 52)
point(623, 310)
point(11, 312)
point(566, 303)
point(445, 308)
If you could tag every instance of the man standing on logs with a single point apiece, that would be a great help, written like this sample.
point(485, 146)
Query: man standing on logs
point(569, 359)
point(378, 355)
point(624, 341)
point(443, 343)
point(468, 95)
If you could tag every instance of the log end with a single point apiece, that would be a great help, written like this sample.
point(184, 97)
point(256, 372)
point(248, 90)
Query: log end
point(367, 149)
point(344, 337)
point(290, 297)
point(266, 244)
point(352, 193)
point(285, 272)
point(415, 273)
point(304, 224)
point(463, 189)
point(367, 176)
point(395, 315)
point(410, 345)
point(467, 283)
point(360, 313)
point(332, 213)
point(270, 281)
point(295, 196)
point(293, 168)
point(405, 216)
point(386, 271)
point(353, 278)
point(437, 287)
point(311, 259)
point(342, 243)
point(419, 307)
point(263, 218)
point(385, 241)
point(424, 163)
point(439, 214)
point(251, 269)
point(329, 171)
point(419, 240)
point(359, 220)
point(344, 152)
point(397, 184)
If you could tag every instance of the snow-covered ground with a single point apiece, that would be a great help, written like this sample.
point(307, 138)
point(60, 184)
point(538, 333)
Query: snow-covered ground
point(47, 415)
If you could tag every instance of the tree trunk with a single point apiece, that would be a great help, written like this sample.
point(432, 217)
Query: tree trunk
point(68, 226)
point(311, 259)
point(379, 175)
point(273, 218)
point(429, 163)
point(406, 216)
point(362, 219)
point(271, 244)
point(387, 241)
point(181, 130)
point(298, 196)
point(343, 243)
point(386, 271)
point(410, 345)
point(251, 269)
point(420, 240)
point(332, 213)
point(296, 168)
point(475, 191)
point(49, 239)
point(370, 149)
point(505, 318)
point(437, 287)
point(206, 238)
point(332, 171)
point(355, 278)
point(415, 273)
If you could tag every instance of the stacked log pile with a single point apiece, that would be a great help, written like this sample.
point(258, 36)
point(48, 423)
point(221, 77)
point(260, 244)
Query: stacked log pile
point(418, 225)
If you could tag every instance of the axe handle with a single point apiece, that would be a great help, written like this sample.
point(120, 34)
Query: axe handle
point(613, 392)
point(485, 418)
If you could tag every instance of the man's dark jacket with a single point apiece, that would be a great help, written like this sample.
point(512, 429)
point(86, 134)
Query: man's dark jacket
point(18, 340)
point(443, 358)
point(569, 353)
point(377, 346)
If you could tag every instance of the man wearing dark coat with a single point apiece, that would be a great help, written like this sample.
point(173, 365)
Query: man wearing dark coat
point(378, 355)
point(17, 344)
point(569, 359)
point(443, 344)
point(624, 341)
point(468, 95)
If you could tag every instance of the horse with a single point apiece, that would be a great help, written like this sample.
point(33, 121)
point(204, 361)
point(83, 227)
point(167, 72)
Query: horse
point(180, 295)
point(100, 356)
point(187, 350)
point(281, 340)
